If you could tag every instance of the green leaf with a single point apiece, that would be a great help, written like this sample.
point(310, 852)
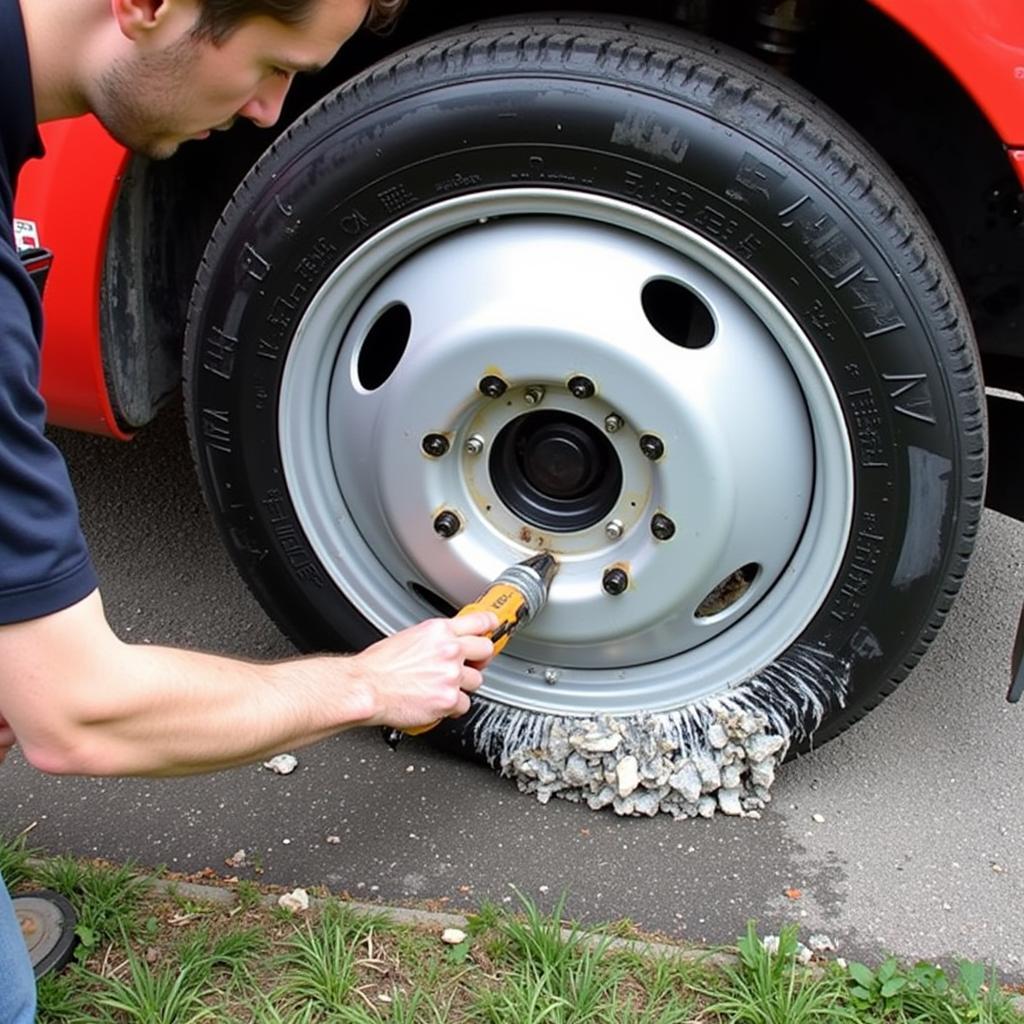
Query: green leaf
point(887, 970)
point(860, 993)
point(972, 977)
point(458, 953)
point(86, 936)
point(892, 986)
point(862, 975)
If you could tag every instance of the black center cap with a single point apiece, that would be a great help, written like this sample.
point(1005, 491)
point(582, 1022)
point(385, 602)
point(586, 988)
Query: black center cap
point(555, 470)
point(560, 461)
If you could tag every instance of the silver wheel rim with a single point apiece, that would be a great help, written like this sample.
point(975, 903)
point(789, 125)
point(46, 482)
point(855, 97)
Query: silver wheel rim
point(537, 286)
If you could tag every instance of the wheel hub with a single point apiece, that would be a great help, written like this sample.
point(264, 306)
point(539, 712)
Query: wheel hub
point(556, 471)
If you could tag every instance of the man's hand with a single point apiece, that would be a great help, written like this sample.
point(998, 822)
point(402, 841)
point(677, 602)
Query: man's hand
point(427, 672)
point(7, 738)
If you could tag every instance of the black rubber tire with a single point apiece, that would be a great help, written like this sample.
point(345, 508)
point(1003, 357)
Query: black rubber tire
point(669, 122)
point(52, 950)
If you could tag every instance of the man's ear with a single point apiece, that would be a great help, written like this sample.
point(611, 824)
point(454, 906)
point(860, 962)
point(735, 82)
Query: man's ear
point(138, 18)
point(134, 17)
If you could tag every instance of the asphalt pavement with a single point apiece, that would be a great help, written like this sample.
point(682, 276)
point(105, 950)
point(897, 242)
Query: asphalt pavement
point(903, 835)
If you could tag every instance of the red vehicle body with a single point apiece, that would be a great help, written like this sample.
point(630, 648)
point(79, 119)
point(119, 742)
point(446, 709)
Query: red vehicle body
point(874, 151)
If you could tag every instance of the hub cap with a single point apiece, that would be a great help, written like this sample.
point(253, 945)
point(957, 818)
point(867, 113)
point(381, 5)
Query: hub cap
point(537, 288)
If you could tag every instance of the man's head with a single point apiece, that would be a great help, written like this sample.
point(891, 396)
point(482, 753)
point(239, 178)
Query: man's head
point(219, 18)
point(183, 68)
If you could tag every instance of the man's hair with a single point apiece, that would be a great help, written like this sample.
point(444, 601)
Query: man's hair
point(219, 18)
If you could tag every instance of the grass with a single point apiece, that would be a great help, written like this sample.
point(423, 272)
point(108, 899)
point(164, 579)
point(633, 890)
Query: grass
point(157, 957)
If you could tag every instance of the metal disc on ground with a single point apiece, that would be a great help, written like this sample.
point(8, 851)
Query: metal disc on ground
point(47, 923)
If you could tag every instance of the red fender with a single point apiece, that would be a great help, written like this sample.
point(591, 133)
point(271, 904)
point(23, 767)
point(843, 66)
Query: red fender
point(981, 42)
point(70, 195)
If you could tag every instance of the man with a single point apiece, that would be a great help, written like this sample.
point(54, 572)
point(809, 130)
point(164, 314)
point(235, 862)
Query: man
point(73, 696)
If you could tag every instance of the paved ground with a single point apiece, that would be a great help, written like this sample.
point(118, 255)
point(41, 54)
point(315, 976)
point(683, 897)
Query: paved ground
point(919, 852)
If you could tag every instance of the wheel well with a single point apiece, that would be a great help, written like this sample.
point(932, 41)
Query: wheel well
point(952, 163)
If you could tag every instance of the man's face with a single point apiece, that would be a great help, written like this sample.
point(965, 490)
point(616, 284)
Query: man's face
point(154, 99)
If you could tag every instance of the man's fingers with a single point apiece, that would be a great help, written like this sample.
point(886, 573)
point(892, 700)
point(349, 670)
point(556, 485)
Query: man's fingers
point(476, 624)
point(476, 648)
point(461, 707)
point(472, 679)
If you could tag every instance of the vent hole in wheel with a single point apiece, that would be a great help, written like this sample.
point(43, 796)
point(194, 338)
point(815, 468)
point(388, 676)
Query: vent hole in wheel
point(438, 603)
point(677, 314)
point(728, 592)
point(384, 346)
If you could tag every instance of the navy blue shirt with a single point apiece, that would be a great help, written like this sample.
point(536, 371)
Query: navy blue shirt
point(44, 563)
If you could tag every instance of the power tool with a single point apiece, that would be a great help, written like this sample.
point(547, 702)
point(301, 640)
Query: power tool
point(516, 597)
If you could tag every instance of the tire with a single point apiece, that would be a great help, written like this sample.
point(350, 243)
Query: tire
point(729, 266)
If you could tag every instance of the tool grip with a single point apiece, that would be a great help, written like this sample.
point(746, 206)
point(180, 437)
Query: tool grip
point(509, 605)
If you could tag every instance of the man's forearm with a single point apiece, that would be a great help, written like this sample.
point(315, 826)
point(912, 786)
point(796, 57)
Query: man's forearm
point(118, 709)
point(80, 701)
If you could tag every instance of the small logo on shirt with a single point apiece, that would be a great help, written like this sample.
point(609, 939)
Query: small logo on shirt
point(26, 235)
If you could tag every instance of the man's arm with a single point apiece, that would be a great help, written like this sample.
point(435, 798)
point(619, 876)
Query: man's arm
point(80, 701)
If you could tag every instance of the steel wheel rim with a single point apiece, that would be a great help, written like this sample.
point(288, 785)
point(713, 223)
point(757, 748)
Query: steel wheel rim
point(351, 483)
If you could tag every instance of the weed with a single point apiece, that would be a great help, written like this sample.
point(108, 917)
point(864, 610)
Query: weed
point(105, 897)
point(58, 999)
point(486, 918)
point(247, 895)
point(770, 988)
point(168, 995)
point(926, 994)
point(14, 857)
point(320, 959)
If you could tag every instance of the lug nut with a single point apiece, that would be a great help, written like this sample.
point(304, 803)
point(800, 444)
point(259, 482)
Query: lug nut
point(613, 422)
point(653, 447)
point(533, 395)
point(474, 445)
point(581, 387)
point(662, 527)
point(492, 387)
point(435, 445)
point(551, 676)
point(613, 529)
point(614, 581)
point(447, 524)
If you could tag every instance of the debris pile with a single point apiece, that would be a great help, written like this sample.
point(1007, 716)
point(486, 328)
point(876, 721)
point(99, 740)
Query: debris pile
point(718, 755)
point(630, 765)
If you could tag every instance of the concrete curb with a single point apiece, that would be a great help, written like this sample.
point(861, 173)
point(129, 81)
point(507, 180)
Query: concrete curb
point(436, 920)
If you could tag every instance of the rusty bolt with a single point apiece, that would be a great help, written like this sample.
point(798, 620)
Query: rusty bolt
point(447, 524)
point(581, 387)
point(492, 387)
point(653, 447)
point(614, 581)
point(435, 445)
point(662, 527)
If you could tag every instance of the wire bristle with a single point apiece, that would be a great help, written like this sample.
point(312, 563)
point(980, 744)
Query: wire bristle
point(718, 754)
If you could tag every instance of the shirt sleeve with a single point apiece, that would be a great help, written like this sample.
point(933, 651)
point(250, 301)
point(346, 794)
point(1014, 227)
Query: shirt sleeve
point(44, 561)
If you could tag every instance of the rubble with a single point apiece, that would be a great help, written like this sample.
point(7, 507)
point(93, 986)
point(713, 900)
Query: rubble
point(718, 756)
point(282, 764)
point(296, 901)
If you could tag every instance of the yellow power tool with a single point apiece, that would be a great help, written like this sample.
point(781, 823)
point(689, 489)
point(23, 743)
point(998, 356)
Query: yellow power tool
point(516, 597)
